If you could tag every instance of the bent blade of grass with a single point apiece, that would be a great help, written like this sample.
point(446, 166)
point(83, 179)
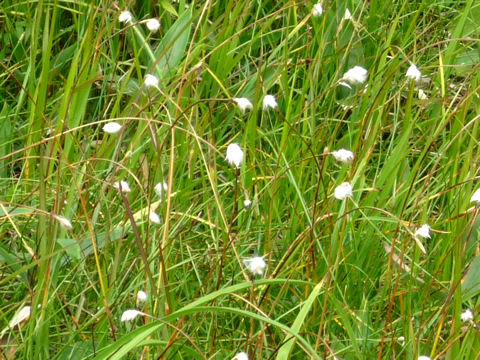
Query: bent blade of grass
point(135, 338)
point(287, 347)
point(248, 315)
point(128, 342)
point(234, 288)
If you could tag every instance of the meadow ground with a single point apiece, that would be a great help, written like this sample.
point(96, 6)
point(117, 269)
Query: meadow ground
point(239, 179)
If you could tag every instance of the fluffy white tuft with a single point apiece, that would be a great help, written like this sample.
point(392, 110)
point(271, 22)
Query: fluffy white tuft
point(355, 76)
point(123, 184)
point(241, 356)
point(255, 265)
point(151, 81)
point(112, 127)
point(153, 25)
point(317, 10)
point(154, 218)
point(141, 297)
point(64, 222)
point(234, 155)
point(413, 73)
point(269, 102)
point(129, 315)
point(343, 191)
point(423, 231)
point(344, 156)
point(125, 17)
point(467, 315)
point(243, 104)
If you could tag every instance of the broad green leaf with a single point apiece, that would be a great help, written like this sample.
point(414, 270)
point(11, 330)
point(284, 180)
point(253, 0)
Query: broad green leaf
point(128, 342)
point(171, 49)
point(71, 247)
point(168, 6)
point(471, 285)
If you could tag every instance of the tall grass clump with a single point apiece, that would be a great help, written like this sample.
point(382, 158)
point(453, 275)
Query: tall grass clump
point(239, 179)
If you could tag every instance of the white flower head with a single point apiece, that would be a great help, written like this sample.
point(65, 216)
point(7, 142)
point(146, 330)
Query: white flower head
point(343, 191)
point(317, 10)
point(112, 127)
point(344, 156)
point(423, 231)
point(241, 356)
point(243, 104)
point(125, 17)
point(64, 222)
point(424, 357)
point(160, 188)
point(269, 102)
point(476, 197)
point(20, 316)
point(234, 155)
point(355, 76)
point(413, 73)
point(154, 218)
point(247, 203)
point(348, 15)
point(129, 315)
point(153, 25)
point(422, 95)
point(466, 316)
point(255, 265)
point(141, 297)
point(122, 184)
point(151, 81)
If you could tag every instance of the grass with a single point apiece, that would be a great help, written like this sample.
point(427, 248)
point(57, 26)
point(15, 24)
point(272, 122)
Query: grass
point(344, 279)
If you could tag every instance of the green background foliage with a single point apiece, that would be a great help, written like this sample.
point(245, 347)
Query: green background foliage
point(344, 279)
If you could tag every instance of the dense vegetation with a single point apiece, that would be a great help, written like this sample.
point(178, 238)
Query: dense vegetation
point(126, 231)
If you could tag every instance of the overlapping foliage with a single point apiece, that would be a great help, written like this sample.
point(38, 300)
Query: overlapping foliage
point(344, 279)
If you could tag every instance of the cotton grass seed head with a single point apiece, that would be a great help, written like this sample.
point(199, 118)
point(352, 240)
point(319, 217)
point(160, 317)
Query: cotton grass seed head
point(151, 81)
point(64, 222)
point(241, 356)
point(476, 197)
point(317, 10)
point(234, 155)
point(247, 203)
point(125, 17)
point(153, 25)
point(424, 357)
point(141, 297)
point(160, 188)
point(343, 191)
point(243, 104)
point(112, 127)
point(20, 317)
point(129, 315)
point(154, 218)
point(269, 102)
point(348, 15)
point(255, 265)
point(466, 316)
point(422, 95)
point(344, 156)
point(413, 73)
point(355, 76)
point(423, 231)
point(123, 185)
